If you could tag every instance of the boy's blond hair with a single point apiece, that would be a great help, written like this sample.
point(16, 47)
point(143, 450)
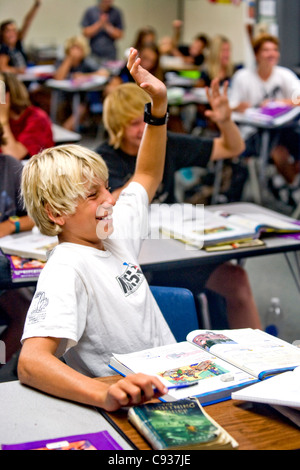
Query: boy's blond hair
point(56, 179)
point(124, 104)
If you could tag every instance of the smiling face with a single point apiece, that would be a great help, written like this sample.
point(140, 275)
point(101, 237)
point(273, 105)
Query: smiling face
point(92, 221)
point(268, 54)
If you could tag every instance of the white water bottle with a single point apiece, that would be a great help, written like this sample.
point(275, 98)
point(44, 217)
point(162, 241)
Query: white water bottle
point(274, 317)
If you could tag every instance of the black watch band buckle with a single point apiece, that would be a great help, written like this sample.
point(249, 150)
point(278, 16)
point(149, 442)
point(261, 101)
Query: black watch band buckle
point(154, 121)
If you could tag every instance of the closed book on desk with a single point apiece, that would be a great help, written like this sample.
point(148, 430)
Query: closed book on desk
point(274, 114)
point(220, 228)
point(93, 441)
point(31, 244)
point(284, 389)
point(24, 269)
point(179, 425)
point(213, 363)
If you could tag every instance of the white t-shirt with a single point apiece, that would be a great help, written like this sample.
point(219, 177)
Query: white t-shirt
point(99, 302)
point(247, 86)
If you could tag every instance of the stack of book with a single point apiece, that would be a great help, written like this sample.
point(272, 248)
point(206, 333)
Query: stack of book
point(26, 254)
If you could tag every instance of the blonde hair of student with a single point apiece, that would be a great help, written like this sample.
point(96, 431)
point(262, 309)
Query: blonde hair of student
point(213, 59)
point(19, 96)
point(79, 41)
point(124, 104)
point(56, 180)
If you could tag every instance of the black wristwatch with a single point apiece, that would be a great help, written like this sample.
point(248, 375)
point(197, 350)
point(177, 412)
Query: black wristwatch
point(154, 121)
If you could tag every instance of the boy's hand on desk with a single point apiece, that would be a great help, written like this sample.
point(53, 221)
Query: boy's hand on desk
point(152, 85)
point(132, 390)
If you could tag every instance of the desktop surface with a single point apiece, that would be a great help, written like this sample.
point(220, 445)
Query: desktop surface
point(254, 426)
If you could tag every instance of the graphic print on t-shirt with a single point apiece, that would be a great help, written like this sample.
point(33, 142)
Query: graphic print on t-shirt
point(38, 309)
point(131, 278)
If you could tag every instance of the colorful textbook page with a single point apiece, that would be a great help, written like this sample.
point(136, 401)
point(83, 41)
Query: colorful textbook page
point(254, 351)
point(183, 364)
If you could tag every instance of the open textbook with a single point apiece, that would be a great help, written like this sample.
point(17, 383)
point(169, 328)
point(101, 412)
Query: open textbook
point(31, 244)
point(212, 364)
point(221, 227)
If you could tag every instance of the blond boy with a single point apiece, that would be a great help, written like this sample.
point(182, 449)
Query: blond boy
point(92, 299)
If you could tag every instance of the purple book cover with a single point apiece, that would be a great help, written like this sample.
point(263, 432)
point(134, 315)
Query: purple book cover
point(95, 441)
point(23, 268)
point(275, 110)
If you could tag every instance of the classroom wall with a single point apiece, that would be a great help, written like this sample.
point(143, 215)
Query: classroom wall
point(212, 18)
point(59, 19)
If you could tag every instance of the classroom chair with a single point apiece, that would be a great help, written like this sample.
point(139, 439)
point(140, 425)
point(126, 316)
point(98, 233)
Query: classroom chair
point(178, 307)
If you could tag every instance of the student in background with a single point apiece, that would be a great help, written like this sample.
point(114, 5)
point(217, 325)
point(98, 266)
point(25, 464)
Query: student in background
point(194, 54)
point(76, 65)
point(219, 62)
point(92, 298)
point(257, 87)
point(12, 56)
point(150, 60)
point(102, 25)
point(145, 36)
point(123, 119)
point(27, 128)
point(13, 219)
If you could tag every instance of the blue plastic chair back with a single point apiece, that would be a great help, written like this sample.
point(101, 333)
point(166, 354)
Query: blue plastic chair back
point(178, 307)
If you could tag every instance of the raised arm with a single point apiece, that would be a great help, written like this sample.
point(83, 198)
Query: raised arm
point(29, 18)
point(230, 143)
point(151, 156)
point(11, 146)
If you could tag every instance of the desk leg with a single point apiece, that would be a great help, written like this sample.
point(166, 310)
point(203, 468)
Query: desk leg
point(76, 110)
point(296, 275)
point(53, 106)
point(263, 159)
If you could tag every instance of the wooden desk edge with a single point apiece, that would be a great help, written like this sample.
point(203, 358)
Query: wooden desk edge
point(254, 426)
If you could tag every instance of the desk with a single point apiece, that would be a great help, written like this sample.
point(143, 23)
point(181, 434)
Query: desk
point(265, 128)
point(37, 73)
point(64, 136)
point(254, 426)
point(74, 88)
point(161, 254)
point(28, 415)
point(180, 96)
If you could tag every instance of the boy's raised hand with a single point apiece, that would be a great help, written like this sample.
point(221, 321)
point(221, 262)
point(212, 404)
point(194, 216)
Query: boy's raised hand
point(152, 85)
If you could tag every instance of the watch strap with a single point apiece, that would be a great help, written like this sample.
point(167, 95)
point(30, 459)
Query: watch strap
point(154, 121)
point(16, 221)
